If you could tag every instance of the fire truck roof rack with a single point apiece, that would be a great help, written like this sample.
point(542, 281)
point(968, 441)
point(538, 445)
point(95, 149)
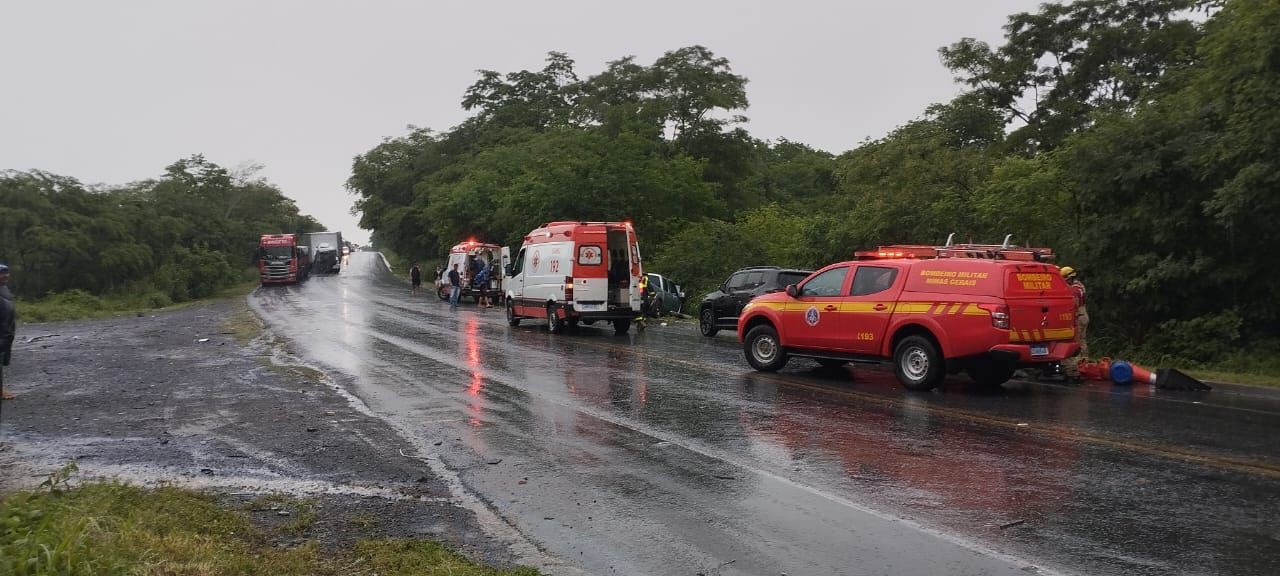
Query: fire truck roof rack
point(1003, 251)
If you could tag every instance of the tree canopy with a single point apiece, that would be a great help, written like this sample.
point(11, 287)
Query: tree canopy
point(184, 235)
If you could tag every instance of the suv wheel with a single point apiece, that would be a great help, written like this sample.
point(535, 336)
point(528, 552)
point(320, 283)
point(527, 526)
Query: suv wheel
point(657, 308)
point(764, 349)
point(917, 363)
point(707, 322)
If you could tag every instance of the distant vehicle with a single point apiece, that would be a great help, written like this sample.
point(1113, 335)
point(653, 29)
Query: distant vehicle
point(668, 297)
point(720, 309)
point(470, 257)
point(325, 252)
point(282, 260)
point(985, 309)
point(346, 250)
point(571, 272)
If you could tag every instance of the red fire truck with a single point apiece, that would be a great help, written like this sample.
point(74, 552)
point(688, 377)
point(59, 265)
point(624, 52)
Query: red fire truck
point(281, 260)
point(928, 310)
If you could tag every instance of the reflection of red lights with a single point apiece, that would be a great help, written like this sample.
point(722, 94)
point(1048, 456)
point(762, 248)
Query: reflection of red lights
point(471, 333)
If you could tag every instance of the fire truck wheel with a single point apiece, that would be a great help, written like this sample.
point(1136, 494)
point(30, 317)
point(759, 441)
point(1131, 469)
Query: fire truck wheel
point(989, 373)
point(621, 326)
point(512, 319)
point(917, 363)
point(554, 324)
point(764, 350)
point(707, 322)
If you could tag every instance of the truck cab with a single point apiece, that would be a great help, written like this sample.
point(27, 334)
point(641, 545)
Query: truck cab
point(567, 273)
point(280, 260)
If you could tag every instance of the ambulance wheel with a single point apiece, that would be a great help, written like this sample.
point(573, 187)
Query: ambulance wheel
point(707, 322)
point(917, 363)
point(512, 319)
point(763, 349)
point(554, 324)
point(621, 326)
point(989, 373)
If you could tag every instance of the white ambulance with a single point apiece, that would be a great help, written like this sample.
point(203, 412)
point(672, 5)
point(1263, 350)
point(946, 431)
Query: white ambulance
point(571, 272)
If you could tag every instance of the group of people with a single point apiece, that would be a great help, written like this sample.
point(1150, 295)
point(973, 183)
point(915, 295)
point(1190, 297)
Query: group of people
point(479, 273)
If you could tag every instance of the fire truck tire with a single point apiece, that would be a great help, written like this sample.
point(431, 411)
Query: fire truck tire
point(707, 322)
point(917, 363)
point(512, 319)
point(621, 326)
point(555, 324)
point(764, 350)
point(989, 373)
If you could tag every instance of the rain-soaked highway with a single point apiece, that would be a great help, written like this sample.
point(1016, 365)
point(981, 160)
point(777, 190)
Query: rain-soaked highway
point(664, 453)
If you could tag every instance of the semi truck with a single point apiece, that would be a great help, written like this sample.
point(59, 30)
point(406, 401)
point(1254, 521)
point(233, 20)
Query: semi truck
point(326, 252)
point(282, 259)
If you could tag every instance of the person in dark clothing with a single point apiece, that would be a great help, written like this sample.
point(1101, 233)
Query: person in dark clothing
point(455, 287)
point(8, 327)
point(415, 279)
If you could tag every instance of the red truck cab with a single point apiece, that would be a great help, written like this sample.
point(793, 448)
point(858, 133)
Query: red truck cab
point(927, 310)
point(281, 260)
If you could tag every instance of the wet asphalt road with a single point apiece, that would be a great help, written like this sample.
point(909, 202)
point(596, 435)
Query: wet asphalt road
point(664, 453)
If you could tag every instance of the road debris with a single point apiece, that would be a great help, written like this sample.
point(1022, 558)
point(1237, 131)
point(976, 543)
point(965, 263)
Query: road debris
point(1012, 524)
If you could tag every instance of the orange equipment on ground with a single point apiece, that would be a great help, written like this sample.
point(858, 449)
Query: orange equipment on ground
point(1122, 372)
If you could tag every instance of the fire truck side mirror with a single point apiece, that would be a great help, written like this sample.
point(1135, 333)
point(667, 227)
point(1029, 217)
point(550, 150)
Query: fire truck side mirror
point(792, 291)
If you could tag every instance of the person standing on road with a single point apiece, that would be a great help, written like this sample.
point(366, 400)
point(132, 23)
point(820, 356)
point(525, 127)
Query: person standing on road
point(455, 287)
point(482, 283)
point(8, 327)
point(1072, 365)
point(415, 278)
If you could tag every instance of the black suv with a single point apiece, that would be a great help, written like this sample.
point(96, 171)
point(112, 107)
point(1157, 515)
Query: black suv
point(720, 309)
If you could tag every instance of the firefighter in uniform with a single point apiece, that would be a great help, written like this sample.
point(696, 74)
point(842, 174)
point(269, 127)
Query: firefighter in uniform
point(644, 301)
point(1072, 365)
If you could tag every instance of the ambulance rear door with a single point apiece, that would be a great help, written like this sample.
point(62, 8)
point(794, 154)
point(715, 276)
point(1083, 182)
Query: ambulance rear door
point(590, 269)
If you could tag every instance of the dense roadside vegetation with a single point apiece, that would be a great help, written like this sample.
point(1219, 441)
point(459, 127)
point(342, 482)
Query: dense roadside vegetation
point(85, 250)
point(1139, 139)
point(112, 528)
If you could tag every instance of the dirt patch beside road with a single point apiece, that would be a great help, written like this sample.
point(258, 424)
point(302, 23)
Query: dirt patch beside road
point(173, 398)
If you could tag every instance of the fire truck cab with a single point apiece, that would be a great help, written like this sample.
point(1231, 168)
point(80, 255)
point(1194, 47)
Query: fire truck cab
point(985, 309)
point(571, 272)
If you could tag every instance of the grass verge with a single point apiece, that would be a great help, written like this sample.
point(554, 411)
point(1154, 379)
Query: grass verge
point(113, 528)
point(79, 305)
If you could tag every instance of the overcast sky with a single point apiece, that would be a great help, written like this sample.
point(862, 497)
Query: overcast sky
point(111, 92)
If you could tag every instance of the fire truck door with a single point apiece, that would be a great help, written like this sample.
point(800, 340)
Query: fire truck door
point(812, 319)
point(870, 305)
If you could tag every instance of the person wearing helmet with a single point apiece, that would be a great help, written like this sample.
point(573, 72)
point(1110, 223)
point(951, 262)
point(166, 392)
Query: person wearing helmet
point(1072, 365)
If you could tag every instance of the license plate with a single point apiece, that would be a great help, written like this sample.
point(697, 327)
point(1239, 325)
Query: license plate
point(1039, 349)
point(591, 307)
